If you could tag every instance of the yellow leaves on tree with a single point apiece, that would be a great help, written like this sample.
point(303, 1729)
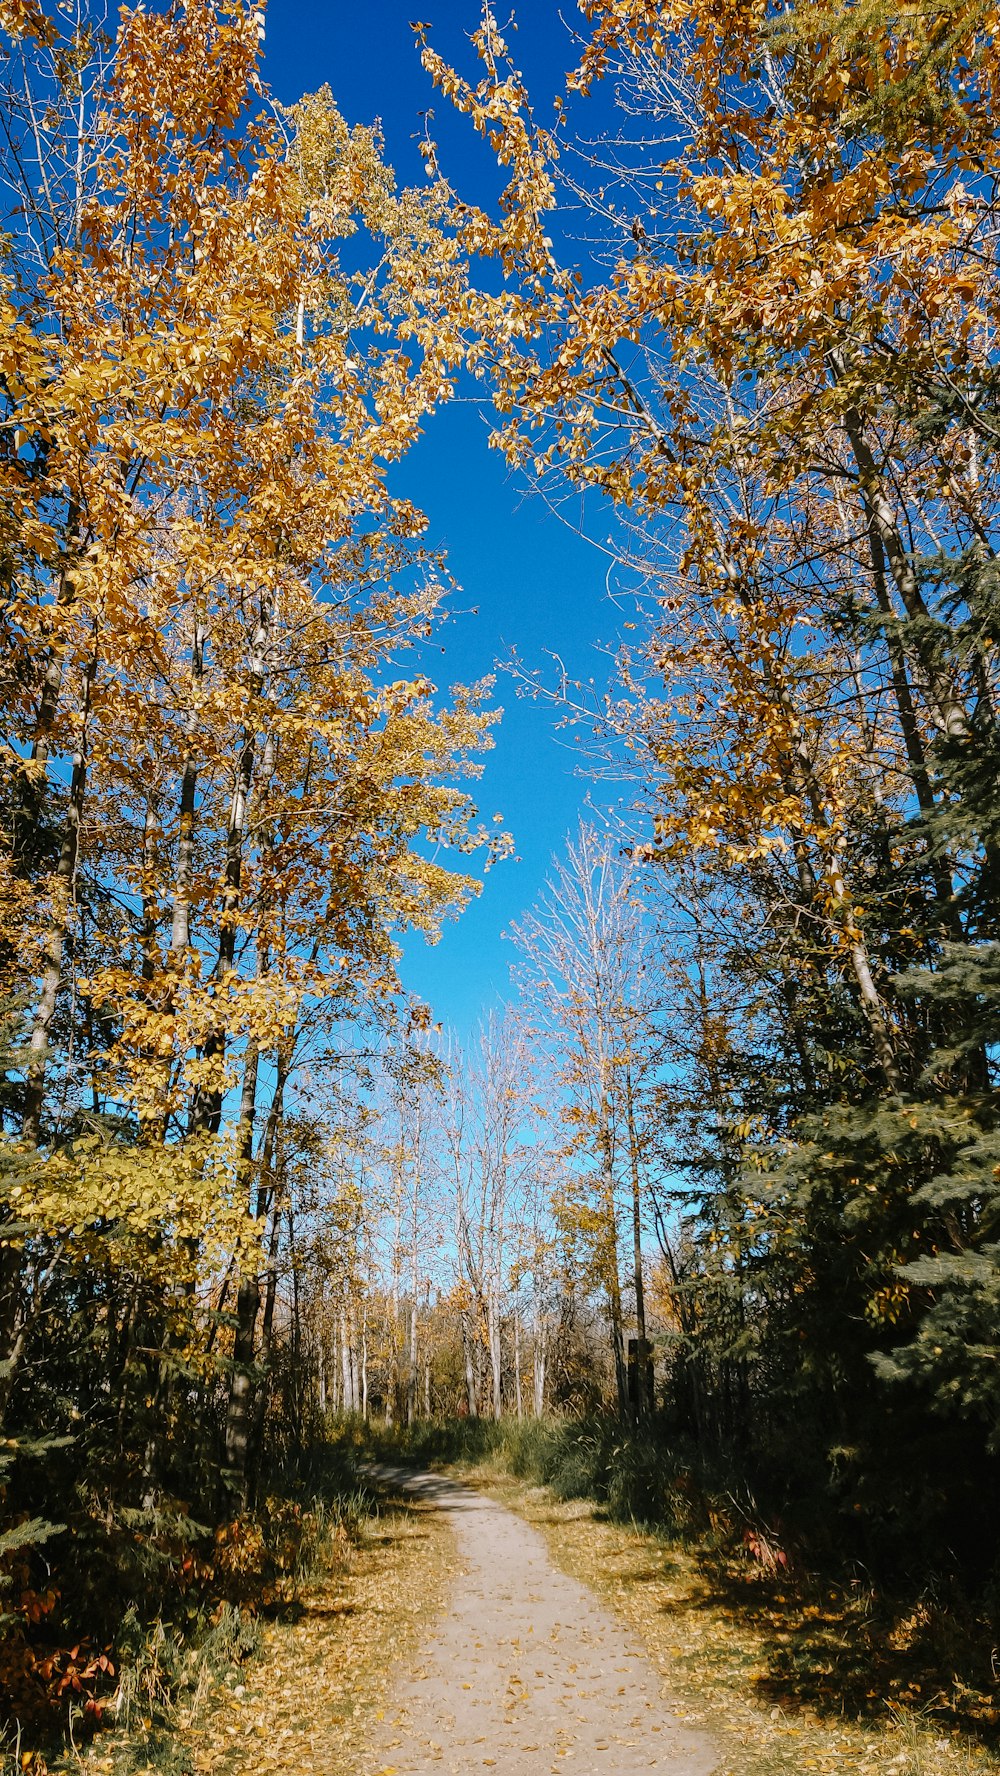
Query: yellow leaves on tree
point(225, 793)
point(773, 357)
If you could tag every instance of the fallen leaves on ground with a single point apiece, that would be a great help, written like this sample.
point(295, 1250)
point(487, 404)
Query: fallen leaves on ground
point(324, 1679)
point(324, 1673)
point(719, 1662)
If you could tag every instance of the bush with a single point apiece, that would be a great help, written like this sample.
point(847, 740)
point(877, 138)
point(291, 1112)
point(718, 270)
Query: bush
point(643, 1476)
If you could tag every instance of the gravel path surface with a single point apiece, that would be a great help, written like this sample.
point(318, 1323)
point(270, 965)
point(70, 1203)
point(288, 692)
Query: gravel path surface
point(526, 1672)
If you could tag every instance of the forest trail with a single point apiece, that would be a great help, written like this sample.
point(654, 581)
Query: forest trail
point(526, 1672)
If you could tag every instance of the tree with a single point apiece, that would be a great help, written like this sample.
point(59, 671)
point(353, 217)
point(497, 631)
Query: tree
point(776, 357)
point(590, 983)
point(223, 324)
point(494, 1177)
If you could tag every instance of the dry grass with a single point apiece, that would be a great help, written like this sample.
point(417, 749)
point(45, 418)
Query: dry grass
point(723, 1658)
point(324, 1673)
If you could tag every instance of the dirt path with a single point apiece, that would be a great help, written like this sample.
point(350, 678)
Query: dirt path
point(526, 1672)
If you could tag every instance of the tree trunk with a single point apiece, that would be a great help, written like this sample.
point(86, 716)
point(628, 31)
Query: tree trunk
point(260, 1397)
point(496, 1356)
point(206, 1111)
point(803, 782)
point(518, 1402)
point(350, 1400)
point(612, 1280)
point(643, 1404)
point(180, 933)
point(411, 1375)
point(943, 701)
point(55, 943)
point(240, 1419)
point(392, 1384)
point(909, 728)
point(238, 1416)
point(31, 789)
point(539, 1357)
point(468, 1356)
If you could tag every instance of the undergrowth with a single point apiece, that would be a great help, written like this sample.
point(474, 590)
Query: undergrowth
point(138, 1615)
point(636, 1477)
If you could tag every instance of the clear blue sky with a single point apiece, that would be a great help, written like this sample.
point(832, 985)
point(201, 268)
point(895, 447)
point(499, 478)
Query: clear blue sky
point(534, 583)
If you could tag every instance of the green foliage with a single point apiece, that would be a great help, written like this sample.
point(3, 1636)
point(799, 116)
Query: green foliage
point(130, 1614)
point(646, 1476)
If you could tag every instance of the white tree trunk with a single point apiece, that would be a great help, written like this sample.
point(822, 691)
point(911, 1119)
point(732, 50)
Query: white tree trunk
point(493, 1317)
point(517, 1364)
point(539, 1356)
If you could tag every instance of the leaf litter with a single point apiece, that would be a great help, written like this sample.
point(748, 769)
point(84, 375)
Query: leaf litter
point(309, 1701)
point(313, 1699)
point(324, 1679)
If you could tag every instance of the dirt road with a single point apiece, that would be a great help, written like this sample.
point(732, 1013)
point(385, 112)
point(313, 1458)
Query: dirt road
point(526, 1672)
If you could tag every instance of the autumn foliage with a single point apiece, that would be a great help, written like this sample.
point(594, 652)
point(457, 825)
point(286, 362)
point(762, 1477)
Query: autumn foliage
point(744, 291)
point(729, 1169)
point(227, 784)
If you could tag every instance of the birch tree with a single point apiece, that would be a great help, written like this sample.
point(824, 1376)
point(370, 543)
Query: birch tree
point(587, 975)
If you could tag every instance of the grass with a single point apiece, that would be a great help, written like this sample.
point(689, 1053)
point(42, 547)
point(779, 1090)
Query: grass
point(792, 1671)
point(281, 1644)
point(141, 1611)
point(795, 1668)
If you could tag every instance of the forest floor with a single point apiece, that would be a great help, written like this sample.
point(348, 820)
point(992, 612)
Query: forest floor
point(310, 1700)
point(527, 1671)
point(500, 1629)
point(774, 1678)
point(323, 1681)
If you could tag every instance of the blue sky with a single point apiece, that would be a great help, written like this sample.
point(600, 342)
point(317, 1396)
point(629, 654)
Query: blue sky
point(534, 584)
